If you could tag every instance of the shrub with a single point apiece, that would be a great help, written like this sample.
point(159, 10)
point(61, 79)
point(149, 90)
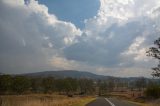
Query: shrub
point(153, 91)
point(20, 84)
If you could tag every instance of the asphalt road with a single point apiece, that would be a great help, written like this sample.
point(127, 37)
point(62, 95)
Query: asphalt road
point(110, 102)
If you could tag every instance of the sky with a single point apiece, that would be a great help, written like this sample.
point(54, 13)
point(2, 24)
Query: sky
point(106, 37)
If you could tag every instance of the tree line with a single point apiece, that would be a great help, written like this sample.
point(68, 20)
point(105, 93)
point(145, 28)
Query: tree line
point(71, 86)
point(21, 84)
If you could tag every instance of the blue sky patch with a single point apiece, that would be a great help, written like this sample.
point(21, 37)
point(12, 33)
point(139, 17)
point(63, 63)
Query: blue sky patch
point(75, 11)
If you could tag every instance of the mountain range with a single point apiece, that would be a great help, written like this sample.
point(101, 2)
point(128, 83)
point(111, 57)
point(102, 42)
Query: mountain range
point(65, 74)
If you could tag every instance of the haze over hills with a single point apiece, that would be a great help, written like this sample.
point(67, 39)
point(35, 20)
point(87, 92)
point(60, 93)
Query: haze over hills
point(66, 73)
point(74, 74)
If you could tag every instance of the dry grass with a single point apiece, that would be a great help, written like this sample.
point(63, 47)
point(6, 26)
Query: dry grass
point(128, 95)
point(146, 104)
point(154, 103)
point(83, 102)
point(39, 100)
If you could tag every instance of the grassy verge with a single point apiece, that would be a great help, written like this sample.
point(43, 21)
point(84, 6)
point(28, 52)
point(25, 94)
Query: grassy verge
point(139, 102)
point(144, 104)
point(43, 100)
point(83, 101)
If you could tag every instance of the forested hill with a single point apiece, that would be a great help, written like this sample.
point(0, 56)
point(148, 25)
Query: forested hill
point(65, 74)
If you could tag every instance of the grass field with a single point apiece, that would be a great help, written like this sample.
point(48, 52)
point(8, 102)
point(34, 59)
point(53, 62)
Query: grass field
point(130, 98)
point(43, 100)
point(83, 102)
point(147, 103)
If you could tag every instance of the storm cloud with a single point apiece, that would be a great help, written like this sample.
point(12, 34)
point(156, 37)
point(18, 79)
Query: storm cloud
point(112, 42)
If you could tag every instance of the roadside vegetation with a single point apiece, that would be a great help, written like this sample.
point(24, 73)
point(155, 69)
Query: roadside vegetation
point(27, 85)
point(43, 100)
point(73, 91)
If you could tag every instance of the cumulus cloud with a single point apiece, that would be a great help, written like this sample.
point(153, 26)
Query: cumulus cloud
point(119, 35)
point(30, 36)
point(113, 42)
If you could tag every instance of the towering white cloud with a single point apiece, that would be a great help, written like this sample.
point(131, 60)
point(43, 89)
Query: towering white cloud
point(119, 35)
point(141, 15)
point(116, 38)
point(30, 36)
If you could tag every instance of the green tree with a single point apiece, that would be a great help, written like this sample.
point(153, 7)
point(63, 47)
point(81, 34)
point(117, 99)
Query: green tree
point(5, 83)
point(66, 85)
point(20, 84)
point(59, 85)
point(155, 53)
point(70, 85)
point(141, 83)
point(48, 84)
point(36, 85)
point(153, 90)
point(111, 84)
point(86, 86)
point(73, 85)
point(102, 87)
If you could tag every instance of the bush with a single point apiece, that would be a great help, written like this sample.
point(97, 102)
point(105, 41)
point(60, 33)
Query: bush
point(153, 91)
point(5, 84)
point(20, 84)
